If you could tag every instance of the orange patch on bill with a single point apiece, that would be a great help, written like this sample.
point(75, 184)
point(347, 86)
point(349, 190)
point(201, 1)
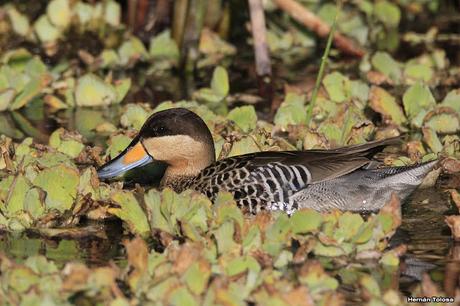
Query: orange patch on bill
point(134, 154)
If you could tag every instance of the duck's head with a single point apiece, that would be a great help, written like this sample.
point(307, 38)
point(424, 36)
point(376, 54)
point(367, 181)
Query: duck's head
point(176, 137)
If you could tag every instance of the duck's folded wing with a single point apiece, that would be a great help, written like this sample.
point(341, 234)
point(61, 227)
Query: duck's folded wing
point(323, 165)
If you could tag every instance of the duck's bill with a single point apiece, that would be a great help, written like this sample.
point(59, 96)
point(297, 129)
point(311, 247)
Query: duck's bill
point(133, 157)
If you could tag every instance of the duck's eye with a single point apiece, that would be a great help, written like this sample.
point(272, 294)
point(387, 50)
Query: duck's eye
point(161, 130)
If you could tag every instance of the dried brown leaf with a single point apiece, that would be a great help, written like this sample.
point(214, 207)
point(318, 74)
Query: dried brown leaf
point(454, 223)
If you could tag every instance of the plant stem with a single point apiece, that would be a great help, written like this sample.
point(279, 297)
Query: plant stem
point(306, 17)
point(324, 59)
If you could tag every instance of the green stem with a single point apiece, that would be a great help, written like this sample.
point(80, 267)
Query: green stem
point(324, 58)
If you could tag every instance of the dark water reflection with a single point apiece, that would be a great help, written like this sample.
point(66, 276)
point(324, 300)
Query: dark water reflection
point(101, 243)
point(430, 246)
point(36, 123)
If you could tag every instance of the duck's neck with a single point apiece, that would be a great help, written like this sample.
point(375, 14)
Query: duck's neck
point(179, 177)
point(180, 172)
point(176, 183)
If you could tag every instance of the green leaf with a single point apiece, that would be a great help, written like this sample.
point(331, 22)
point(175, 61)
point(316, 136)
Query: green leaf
point(348, 226)
point(225, 209)
point(11, 78)
point(162, 288)
point(417, 98)
point(212, 44)
point(87, 185)
point(432, 140)
point(252, 240)
point(284, 258)
point(370, 285)
point(122, 88)
point(88, 120)
point(21, 279)
point(452, 100)
point(327, 12)
point(46, 32)
point(219, 83)
point(242, 264)
point(384, 63)
point(109, 58)
point(52, 159)
point(359, 90)
point(167, 209)
point(364, 233)
point(246, 145)
point(245, 117)
point(197, 276)
point(209, 96)
point(134, 116)
point(329, 250)
point(443, 121)
point(388, 13)
point(420, 72)
point(17, 193)
point(33, 202)
point(39, 264)
point(276, 234)
point(337, 86)
point(317, 279)
point(158, 220)
point(31, 90)
point(112, 13)
point(59, 13)
point(20, 22)
point(131, 51)
point(163, 46)
point(182, 297)
point(60, 184)
point(384, 103)
point(93, 91)
point(6, 97)
point(65, 144)
point(292, 111)
point(17, 58)
point(117, 144)
point(389, 259)
point(331, 131)
point(224, 237)
point(130, 212)
point(306, 221)
point(83, 11)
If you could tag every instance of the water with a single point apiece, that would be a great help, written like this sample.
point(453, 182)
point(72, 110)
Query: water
point(430, 246)
point(94, 243)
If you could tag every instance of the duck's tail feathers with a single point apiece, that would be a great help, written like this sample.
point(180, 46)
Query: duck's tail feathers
point(410, 175)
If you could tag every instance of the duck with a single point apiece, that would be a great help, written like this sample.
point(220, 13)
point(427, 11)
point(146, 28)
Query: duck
point(345, 178)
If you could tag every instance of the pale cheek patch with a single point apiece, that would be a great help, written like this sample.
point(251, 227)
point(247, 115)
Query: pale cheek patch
point(135, 154)
point(171, 148)
point(181, 152)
